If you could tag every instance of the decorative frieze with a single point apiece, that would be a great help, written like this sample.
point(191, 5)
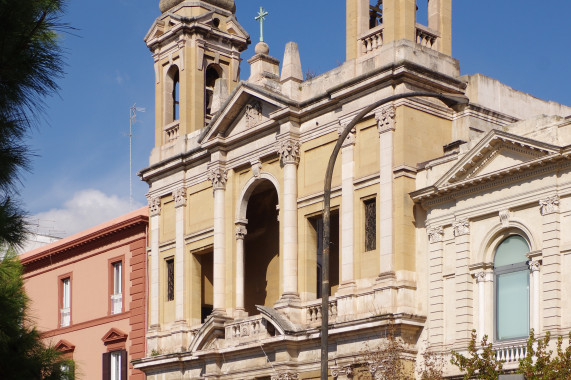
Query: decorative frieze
point(461, 227)
point(549, 205)
point(218, 177)
point(435, 234)
point(386, 119)
point(350, 139)
point(289, 151)
point(253, 113)
point(285, 376)
point(345, 371)
point(505, 216)
point(179, 196)
point(154, 205)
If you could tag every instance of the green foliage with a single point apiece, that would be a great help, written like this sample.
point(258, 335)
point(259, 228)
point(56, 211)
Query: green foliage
point(538, 362)
point(481, 363)
point(22, 352)
point(30, 64)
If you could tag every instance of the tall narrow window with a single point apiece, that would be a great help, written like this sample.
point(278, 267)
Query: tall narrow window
point(511, 288)
point(115, 365)
point(317, 224)
point(370, 224)
point(176, 96)
point(117, 296)
point(170, 279)
point(65, 311)
point(212, 75)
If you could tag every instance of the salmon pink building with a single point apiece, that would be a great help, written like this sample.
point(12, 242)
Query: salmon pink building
point(88, 295)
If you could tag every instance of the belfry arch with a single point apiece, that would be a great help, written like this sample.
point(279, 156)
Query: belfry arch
point(257, 239)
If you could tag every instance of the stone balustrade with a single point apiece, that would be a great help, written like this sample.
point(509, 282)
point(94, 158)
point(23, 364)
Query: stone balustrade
point(372, 40)
point(252, 328)
point(425, 36)
point(171, 131)
point(65, 316)
point(312, 312)
point(116, 303)
point(511, 352)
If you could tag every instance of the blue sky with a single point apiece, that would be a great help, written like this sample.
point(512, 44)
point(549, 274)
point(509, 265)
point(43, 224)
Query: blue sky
point(80, 175)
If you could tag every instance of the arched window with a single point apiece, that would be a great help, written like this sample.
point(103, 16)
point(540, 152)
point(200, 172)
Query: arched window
point(213, 73)
point(176, 97)
point(511, 288)
point(172, 95)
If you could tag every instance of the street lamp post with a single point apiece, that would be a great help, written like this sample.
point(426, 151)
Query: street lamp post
point(449, 100)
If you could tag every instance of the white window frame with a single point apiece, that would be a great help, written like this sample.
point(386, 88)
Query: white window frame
point(65, 311)
point(117, 296)
point(115, 365)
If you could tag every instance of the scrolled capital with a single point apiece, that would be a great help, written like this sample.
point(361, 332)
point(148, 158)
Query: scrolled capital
point(435, 234)
point(154, 205)
point(179, 196)
point(549, 205)
point(289, 151)
point(386, 119)
point(534, 266)
point(461, 227)
point(218, 176)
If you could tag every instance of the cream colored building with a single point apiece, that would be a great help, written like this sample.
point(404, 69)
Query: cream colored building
point(236, 193)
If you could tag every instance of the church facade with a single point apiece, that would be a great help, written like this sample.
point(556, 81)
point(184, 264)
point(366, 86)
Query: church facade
point(236, 196)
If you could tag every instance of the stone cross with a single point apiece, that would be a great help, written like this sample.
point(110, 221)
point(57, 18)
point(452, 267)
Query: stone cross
point(261, 17)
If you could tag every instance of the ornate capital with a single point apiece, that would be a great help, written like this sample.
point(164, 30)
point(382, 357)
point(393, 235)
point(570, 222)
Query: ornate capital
point(218, 176)
point(256, 168)
point(461, 227)
point(534, 266)
point(480, 277)
point(505, 216)
point(179, 196)
point(386, 119)
point(549, 205)
point(154, 205)
point(241, 231)
point(286, 376)
point(435, 234)
point(289, 151)
point(350, 139)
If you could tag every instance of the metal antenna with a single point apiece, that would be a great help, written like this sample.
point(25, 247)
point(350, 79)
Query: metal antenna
point(132, 120)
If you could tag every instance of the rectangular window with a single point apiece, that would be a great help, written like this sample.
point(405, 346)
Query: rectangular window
point(317, 224)
point(115, 365)
point(370, 224)
point(170, 280)
point(117, 295)
point(65, 311)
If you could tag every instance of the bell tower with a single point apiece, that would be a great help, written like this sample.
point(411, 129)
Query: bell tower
point(372, 24)
point(196, 48)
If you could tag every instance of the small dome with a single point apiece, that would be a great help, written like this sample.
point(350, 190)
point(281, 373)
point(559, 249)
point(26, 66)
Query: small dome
point(228, 5)
point(262, 48)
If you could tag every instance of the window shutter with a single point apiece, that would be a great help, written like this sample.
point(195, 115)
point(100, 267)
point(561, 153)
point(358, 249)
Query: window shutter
point(107, 366)
point(124, 365)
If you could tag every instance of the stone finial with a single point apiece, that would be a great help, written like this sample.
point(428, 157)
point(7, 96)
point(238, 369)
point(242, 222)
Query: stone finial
point(165, 5)
point(154, 205)
point(289, 151)
point(218, 176)
point(549, 205)
point(386, 119)
point(435, 234)
point(179, 196)
point(461, 227)
point(291, 65)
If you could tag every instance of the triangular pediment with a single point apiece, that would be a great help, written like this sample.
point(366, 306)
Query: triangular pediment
point(113, 336)
point(64, 346)
point(496, 152)
point(245, 112)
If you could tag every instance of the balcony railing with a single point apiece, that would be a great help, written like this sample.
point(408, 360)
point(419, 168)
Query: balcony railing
point(65, 317)
point(313, 312)
point(425, 36)
point(373, 40)
point(171, 131)
point(511, 352)
point(116, 303)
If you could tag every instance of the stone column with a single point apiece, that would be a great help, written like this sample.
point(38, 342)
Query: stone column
point(240, 235)
point(551, 287)
point(347, 211)
point(218, 176)
point(534, 268)
point(464, 282)
point(179, 196)
point(481, 281)
point(435, 286)
point(289, 155)
point(386, 127)
point(155, 212)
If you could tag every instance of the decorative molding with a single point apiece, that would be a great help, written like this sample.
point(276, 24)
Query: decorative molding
point(253, 113)
point(346, 371)
point(350, 139)
point(386, 119)
point(435, 234)
point(179, 196)
point(241, 232)
point(505, 216)
point(286, 376)
point(289, 151)
point(534, 266)
point(218, 177)
point(461, 227)
point(114, 336)
point(256, 168)
point(154, 205)
point(549, 205)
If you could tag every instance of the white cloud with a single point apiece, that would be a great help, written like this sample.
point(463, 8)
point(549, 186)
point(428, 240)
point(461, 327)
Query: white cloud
point(87, 208)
